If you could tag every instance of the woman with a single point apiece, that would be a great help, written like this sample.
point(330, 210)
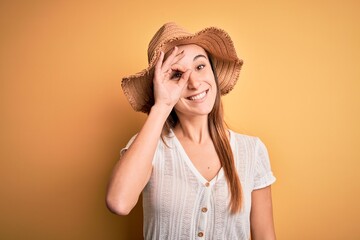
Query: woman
point(199, 179)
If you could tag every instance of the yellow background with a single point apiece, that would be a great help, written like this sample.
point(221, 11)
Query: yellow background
point(64, 117)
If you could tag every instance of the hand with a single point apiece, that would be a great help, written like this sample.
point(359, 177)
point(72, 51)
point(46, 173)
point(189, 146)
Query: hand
point(167, 89)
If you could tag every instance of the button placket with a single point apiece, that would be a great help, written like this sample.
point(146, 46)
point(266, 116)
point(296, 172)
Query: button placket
point(204, 211)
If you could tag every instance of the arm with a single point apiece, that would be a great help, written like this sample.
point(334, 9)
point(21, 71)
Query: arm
point(261, 216)
point(133, 170)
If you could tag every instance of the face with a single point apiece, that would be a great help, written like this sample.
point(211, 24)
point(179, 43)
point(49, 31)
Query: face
point(200, 91)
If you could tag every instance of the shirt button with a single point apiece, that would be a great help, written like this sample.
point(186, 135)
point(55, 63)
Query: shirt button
point(204, 209)
point(200, 234)
point(207, 184)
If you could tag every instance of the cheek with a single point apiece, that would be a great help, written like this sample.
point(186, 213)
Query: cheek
point(210, 76)
point(213, 83)
point(180, 104)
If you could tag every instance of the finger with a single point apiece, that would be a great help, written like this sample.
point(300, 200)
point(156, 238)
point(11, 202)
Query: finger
point(178, 56)
point(178, 67)
point(159, 61)
point(175, 67)
point(184, 78)
point(169, 60)
point(158, 66)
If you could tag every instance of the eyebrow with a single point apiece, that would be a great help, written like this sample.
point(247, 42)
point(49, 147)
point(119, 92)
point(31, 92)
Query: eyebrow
point(199, 56)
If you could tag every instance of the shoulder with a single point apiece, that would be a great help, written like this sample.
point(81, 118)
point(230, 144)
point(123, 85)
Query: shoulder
point(247, 145)
point(236, 137)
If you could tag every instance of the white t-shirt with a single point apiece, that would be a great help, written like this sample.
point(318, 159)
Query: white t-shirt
point(179, 203)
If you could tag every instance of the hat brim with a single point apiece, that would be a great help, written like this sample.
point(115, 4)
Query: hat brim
point(138, 87)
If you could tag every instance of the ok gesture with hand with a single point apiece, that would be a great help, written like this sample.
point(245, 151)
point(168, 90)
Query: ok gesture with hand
point(170, 79)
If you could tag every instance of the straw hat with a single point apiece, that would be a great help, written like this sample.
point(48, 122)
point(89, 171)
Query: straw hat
point(138, 87)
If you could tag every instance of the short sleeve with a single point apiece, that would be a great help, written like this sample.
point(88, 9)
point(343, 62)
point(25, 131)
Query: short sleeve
point(122, 151)
point(263, 175)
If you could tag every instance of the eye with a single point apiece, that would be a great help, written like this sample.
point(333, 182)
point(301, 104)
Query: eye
point(201, 66)
point(176, 75)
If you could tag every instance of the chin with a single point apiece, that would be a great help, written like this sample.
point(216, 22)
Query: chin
point(202, 112)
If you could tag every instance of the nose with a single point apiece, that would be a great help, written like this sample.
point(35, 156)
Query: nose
point(194, 81)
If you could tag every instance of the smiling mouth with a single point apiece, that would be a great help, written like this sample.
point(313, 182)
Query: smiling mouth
point(198, 96)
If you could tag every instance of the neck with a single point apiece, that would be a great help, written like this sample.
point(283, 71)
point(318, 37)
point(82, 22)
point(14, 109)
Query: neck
point(195, 129)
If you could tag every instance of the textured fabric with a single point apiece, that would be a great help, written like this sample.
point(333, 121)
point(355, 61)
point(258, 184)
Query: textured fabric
point(179, 203)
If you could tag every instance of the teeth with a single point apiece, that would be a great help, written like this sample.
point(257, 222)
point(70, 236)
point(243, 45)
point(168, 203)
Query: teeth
point(199, 96)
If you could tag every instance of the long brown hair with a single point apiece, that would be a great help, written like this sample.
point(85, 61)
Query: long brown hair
point(218, 134)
